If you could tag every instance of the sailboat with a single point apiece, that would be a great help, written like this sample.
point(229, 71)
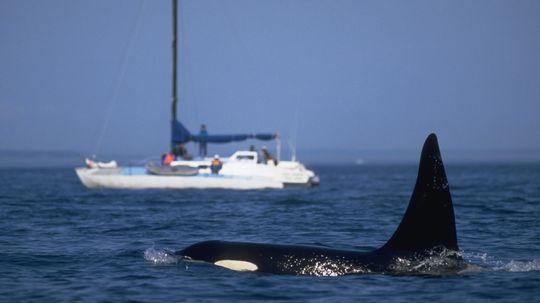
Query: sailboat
point(244, 169)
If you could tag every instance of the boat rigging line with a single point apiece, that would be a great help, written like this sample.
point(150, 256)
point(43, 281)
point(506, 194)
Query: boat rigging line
point(121, 73)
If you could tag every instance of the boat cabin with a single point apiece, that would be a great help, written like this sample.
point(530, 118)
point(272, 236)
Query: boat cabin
point(244, 156)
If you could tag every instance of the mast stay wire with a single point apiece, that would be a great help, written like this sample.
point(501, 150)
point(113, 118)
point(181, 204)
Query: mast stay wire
point(293, 136)
point(119, 79)
point(248, 59)
point(190, 101)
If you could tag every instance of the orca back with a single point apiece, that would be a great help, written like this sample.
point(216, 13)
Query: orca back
point(429, 220)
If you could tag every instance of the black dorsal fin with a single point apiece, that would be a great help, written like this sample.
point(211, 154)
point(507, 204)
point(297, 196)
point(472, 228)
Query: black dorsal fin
point(429, 220)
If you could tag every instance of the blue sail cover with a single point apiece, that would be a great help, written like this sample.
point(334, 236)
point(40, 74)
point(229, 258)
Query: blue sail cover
point(181, 135)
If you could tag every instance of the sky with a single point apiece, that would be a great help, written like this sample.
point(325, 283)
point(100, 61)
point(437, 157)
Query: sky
point(94, 76)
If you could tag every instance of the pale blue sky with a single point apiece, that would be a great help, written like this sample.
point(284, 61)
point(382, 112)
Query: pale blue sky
point(340, 74)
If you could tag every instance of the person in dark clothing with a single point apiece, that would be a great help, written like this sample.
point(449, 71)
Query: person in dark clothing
point(266, 156)
point(202, 144)
point(216, 165)
point(180, 152)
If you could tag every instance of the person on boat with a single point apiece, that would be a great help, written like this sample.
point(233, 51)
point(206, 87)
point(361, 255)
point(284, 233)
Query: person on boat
point(167, 159)
point(216, 165)
point(89, 163)
point(181, 153)
point(266, 156)
point(202, 144)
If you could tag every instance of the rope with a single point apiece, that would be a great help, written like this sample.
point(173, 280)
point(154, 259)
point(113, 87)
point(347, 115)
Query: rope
point(121, 74)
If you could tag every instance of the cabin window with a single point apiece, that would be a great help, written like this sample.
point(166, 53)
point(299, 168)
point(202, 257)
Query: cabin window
point(245, 157)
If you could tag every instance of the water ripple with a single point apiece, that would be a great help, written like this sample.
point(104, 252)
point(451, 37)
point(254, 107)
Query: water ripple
point(64, 243)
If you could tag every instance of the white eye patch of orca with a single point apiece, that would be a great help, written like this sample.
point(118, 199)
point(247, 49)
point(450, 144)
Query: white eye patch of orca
point(237, 265)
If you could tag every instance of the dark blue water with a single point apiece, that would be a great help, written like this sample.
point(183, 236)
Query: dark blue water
point(63, 242)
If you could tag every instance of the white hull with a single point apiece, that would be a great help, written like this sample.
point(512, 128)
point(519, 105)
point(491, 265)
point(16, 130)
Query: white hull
point(240, 171)
point(99, 178)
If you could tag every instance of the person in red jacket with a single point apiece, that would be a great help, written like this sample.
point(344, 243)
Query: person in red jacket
point(167, 159)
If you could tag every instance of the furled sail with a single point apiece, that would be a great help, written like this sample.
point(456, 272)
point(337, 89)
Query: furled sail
point(181, 135)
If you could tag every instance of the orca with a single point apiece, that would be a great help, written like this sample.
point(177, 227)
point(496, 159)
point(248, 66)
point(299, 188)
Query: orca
point(425, 239)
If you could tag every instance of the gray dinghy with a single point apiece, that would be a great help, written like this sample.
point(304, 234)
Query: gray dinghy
point(168, 170)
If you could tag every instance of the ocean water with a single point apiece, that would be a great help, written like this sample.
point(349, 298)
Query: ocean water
point(64, 243)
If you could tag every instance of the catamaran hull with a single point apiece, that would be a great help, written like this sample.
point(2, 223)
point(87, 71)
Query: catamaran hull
point(115, 179)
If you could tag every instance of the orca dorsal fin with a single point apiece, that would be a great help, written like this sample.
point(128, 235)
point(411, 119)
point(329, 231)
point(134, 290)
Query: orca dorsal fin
point(429, 220)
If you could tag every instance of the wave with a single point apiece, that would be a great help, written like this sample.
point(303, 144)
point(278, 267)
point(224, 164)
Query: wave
point(490, 263)
point(161, 256)
point(520, 266)
point(438, 261)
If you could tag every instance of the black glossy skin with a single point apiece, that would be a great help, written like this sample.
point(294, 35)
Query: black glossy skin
point(289, 259)
point(428, 224)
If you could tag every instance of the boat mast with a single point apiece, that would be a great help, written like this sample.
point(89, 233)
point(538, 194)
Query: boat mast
point(174, 54)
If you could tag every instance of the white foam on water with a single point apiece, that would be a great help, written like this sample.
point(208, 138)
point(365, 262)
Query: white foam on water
point(160, 256)
point(492, 263)
point(439, 261)
point(520, 266)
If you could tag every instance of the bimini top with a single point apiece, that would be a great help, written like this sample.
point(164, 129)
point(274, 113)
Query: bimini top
point(180, 135)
